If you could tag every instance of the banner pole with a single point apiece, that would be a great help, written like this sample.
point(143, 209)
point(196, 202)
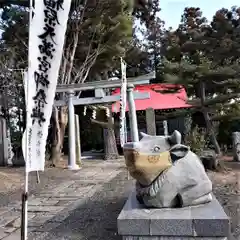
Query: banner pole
point(24, 217)
point(38, 177)
point(24, 222)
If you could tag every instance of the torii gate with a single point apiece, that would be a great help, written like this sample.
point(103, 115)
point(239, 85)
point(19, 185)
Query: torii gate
point(100, 98)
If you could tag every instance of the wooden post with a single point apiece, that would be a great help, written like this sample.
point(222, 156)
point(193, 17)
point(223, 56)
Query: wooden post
point(78, 141)
point(150, 121)
point(3, 143)
point(165, 127)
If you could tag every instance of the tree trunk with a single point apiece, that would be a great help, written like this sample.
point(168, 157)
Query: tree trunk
point(110, 146)
point(208, 122)
point(187, 126)
point(60, 119)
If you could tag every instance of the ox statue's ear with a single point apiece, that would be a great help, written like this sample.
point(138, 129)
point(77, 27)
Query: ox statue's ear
point(175, 138)
point(178, 151)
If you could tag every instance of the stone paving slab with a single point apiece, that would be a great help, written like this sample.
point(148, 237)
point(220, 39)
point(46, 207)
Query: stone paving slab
point(93, 219)
point(47, 209)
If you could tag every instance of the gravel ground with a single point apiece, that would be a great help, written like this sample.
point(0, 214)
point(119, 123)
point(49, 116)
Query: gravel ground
point(96, 219)
point(226, 187)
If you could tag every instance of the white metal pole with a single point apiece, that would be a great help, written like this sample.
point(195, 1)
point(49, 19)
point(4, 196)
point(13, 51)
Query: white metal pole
point(132, 114)
point(123, 100)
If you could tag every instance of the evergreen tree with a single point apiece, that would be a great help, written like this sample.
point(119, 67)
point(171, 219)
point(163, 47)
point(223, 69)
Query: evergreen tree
point(207, 61)
point(154, 36)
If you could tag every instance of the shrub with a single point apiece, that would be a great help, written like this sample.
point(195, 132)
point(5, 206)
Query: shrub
point(196, 139)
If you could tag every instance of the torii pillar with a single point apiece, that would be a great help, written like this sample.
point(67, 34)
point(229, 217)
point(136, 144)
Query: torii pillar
point(71, 134)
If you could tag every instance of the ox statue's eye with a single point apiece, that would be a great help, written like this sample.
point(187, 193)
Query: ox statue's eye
point(156, 149)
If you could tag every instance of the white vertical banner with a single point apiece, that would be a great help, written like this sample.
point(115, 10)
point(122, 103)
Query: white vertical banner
point(46, 39)
point(123, 103)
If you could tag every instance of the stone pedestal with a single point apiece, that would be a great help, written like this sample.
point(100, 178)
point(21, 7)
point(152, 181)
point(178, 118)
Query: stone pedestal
point(205, 222)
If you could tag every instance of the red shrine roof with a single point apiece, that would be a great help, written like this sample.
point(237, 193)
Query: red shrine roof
point(157, 100)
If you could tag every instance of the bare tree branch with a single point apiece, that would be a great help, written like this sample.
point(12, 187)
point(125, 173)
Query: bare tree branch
point(64, 65)
point(20, 39)
point(229, 81)
point(213, 101)
point(69, 53)
point(68, 77)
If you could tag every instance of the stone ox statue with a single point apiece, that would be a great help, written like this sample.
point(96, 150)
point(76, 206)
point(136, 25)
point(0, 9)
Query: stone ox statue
point(168, 174)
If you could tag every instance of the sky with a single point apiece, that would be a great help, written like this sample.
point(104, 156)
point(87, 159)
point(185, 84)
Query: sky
point(173, 9)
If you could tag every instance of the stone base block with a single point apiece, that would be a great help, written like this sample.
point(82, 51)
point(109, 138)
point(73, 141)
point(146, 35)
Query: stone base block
point(204, 222)
point(74, 167)
point(172, 238)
